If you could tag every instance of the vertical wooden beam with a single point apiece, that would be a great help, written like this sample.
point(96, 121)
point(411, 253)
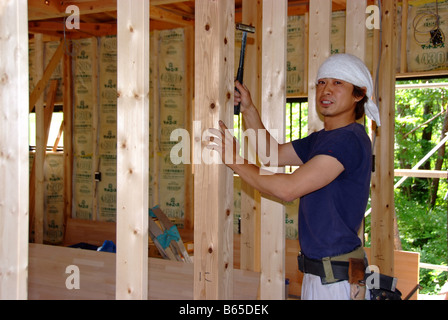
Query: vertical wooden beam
point(39, 157)
point(14, 155)
point(250, 198)
point(189, 106)
point(155, 123)
point(272, 284)
point(319, 50)
point(132, 149)
point(213, 183)
point(68, 133)
point(383, 178)
point(355, 43)
point(404, 37)
point(355, 34)
point(95, 125)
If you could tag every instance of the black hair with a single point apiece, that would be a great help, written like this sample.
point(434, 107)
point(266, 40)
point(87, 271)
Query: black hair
point(360, 105)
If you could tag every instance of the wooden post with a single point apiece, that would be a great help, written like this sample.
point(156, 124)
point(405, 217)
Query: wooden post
point(213, 183)
point(355, 44)
point(189, 106)
point(37, 191)
point(250, 198)
point(14, 154)
point(383, 178)
point(355, 35)
point(404, 37)
point(272, 284)
point(155, 121)
point(43, 123)
point(132, 149)
point(319, 50)
point(95, 129)
point(68, 133)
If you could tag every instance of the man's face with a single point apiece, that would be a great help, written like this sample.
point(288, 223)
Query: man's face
point(335, 98)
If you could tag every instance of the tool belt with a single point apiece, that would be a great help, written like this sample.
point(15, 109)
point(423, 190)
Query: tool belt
point(349, 267)
point(330, 269)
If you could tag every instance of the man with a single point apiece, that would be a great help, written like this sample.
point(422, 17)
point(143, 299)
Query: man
point(333, 179)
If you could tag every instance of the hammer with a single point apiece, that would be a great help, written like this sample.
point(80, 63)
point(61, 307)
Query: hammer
point(240, 74)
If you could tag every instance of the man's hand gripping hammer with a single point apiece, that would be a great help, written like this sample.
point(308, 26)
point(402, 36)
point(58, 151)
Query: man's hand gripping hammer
point(240, 74)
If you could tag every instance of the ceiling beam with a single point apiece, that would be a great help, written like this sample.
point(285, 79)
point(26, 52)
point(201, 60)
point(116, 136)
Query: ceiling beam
point(86, 29)
point(160, 14)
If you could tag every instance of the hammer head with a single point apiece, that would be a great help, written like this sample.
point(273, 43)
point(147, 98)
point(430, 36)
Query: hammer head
point(245, 28)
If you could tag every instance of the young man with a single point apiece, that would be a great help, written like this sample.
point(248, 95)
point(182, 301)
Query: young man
point(333, 179)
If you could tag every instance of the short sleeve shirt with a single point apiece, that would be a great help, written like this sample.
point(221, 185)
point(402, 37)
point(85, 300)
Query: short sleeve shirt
point(329, 218)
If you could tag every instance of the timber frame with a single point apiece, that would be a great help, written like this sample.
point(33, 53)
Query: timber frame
point(207, 27)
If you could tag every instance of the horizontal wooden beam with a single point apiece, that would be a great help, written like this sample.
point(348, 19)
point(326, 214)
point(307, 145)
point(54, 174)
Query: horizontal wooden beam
point(43, 10)
point(38, 10)
point(89, 7)
point(86, 29)
point(421, 173)
point(166, 16)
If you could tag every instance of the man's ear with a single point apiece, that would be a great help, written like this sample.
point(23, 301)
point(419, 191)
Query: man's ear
point(364, 93)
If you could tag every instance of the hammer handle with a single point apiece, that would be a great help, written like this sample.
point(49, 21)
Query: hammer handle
point(240, 74)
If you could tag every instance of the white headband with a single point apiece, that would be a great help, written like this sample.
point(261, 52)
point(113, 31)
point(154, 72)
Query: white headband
point(351, 69)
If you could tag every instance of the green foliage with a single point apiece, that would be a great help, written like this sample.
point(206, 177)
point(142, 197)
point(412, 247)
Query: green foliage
point(296, 120)
point(422, 228)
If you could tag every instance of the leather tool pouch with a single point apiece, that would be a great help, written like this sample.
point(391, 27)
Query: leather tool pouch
point(356, 276)
point(386, 290)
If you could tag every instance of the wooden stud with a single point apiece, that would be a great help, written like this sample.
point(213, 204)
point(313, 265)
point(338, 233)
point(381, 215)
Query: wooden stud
point(273, 90)
point(14, 154)
point(189, 106)
point(319, 50)
point(404, 37)
point(155, 123)
point(383, 208)
point(68, 132)
point(37, 188)
point(355, 44)
point(213, 183)
point(307, 56)
point(95, 123)
point(250, 198)
point(43, 122)
point(355, 34)
point(132, 149)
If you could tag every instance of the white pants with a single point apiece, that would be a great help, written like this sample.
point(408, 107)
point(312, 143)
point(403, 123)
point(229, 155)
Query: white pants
point(313, 289)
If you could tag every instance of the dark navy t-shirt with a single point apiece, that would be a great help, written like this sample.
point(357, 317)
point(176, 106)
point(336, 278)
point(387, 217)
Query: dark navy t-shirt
point(329, 218)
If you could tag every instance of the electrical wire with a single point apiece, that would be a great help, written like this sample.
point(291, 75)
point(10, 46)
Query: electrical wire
point(377, 94)
point(437, 37)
